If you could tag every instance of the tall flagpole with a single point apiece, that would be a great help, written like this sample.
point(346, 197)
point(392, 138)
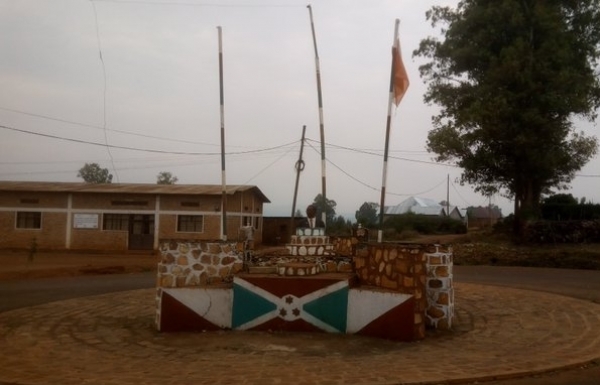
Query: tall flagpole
point(321, 124)
point(387, 138)
point(223, 178)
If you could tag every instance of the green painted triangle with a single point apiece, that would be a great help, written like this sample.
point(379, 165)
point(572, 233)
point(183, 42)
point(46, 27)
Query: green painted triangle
point(248, 305)
point(331, 308)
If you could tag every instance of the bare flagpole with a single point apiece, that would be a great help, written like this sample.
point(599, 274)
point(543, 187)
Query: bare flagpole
point(321, 124)
point(387, 136)
point(223, 178)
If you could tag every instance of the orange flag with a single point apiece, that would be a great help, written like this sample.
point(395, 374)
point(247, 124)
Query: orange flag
point(400, 77)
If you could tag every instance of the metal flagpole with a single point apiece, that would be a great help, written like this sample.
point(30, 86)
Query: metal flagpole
point(223, 178)
point(387, 139)
point(321, 124)
point(299, 168)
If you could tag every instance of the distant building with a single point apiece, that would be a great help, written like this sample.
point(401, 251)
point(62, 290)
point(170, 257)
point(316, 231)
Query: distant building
point(428, 207)
point(122, 216)
point(416, 205)
point(481, 217)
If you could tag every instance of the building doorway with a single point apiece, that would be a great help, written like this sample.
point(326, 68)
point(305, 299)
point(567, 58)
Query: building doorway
point(141, 232)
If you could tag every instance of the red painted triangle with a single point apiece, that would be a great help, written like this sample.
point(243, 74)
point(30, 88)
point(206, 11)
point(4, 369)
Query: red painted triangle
point(177, 317)
point(397, 323)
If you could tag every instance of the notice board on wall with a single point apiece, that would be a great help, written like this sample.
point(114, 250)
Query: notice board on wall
point(85, 221)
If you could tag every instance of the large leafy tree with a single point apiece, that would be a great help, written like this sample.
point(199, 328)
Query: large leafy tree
point(509, 76)
point(93, 173)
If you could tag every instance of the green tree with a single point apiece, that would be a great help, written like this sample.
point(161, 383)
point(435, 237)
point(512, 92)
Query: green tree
point(339, 226)
point(561, 199)
point(165, 177)
point(93, 173)
point(366, 215)
point(509, 76)
point(326, 206)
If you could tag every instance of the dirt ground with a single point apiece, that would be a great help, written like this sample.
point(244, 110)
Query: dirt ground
point(20, 265)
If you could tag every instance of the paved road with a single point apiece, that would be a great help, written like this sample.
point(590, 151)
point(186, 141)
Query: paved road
point(583, 284)
point(25, 293)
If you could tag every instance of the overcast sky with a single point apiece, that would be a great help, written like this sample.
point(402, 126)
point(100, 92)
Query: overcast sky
point(134, 86)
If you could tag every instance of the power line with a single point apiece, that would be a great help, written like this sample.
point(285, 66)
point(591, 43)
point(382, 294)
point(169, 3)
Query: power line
point(145, 149)
point(101, 128)
point(103, 66)
point(375, 188)
point(391, 157)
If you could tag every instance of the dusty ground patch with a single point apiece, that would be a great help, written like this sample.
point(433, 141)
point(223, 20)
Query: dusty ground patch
point(19, 265)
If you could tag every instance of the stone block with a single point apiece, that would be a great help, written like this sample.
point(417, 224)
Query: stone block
point(443, 324)
point(183, 248)
point(443, 298)
point(435, 313)
point(237, 267)
point(344, 267)
point(378, 255)
point(389, 283)
point(442, 271)
point(168, 258)
point(197, 267)
point(224, 272)
point(182, 260)
point(401, 266)
point(435, 260)
point(228, 260)
point(180, 281)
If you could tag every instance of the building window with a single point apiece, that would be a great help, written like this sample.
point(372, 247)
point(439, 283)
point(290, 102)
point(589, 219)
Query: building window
point(29, 220)
point(190, 223)
point(257, 223)
point(247, 221)
point(119, 222)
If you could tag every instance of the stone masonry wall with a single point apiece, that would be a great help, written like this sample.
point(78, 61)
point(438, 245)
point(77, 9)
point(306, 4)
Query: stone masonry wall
point(440, 289)
point(422, 270)
point(185, 264)
point(401, 268)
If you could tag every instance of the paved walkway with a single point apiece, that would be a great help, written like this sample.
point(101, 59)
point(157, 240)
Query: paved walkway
point(110, 339)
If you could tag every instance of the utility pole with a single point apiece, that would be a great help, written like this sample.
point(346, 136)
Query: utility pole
point(299, 167)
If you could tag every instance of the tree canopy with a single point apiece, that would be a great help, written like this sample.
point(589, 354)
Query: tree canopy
point(93, 173)
point(510, 76)
point(326, 206)
point(366, 215)
point(165, 177)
